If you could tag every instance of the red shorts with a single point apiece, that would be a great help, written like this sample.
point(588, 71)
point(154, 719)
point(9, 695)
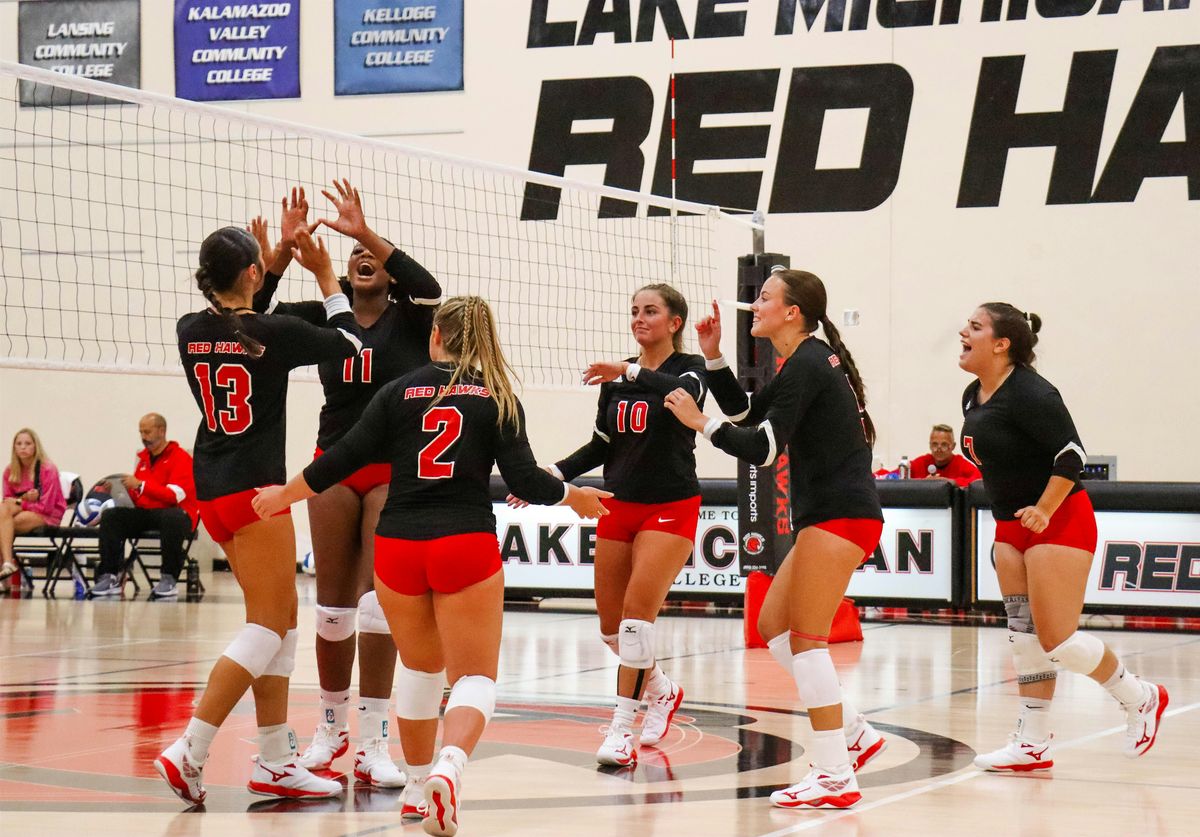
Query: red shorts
point(862, 532)
point(445, 565)
point(223, 516)
point(365, 478)
point(1074, 525)
point(624, 520)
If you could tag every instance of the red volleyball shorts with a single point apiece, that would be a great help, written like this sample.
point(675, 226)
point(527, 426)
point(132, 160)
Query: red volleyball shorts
point(224, 516)
point(624, 520)
point(365, 478)
point(862, 532)
point(1073, 525)
point(445, 565)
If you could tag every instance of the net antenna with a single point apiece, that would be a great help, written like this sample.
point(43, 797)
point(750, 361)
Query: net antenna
point(103, 208)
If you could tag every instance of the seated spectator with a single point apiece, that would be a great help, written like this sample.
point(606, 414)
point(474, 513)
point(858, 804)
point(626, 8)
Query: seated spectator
point(942, 462)
point(32, 495)
point(164, 500)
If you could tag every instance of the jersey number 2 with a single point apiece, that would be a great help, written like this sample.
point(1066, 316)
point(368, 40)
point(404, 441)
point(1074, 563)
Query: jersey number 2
point(447, 423)
point(235, 380)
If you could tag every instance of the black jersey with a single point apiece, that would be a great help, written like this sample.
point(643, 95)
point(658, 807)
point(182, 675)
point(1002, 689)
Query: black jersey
point(441, 456)
point(648, 456)
point(240, 441)
point(1019, 438)
point(810, 406)
point(394, 345)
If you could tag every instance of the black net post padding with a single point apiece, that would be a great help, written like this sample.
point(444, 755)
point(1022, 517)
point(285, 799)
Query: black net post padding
point(764, 504)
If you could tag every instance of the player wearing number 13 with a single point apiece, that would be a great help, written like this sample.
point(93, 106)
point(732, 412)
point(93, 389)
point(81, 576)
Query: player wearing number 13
point(237, 365)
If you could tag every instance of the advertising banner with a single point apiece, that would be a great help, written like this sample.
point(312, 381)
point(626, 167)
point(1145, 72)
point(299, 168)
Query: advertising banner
point(397, 46)
point(229, 50)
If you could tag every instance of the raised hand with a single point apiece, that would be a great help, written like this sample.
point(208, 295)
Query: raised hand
point(311, 253)
point(293, 217)
point(350, 221)
point(602, 372)
point(708, 332)
point(262, 234)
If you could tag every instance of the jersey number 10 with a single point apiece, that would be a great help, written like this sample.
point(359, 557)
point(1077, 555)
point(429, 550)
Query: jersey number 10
point(633, 412)
point(235, 380)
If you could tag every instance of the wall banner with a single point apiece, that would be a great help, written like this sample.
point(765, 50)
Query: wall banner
point(101, 40)
point(397, 46)
point(229, 50)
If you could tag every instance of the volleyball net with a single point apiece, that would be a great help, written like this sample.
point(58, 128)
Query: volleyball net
point(103, 208)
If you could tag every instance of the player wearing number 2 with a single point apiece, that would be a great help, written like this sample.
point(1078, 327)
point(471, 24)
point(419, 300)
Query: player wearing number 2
point(393, 298)
point(237, 365)
point(650, 466)
point(437, 560)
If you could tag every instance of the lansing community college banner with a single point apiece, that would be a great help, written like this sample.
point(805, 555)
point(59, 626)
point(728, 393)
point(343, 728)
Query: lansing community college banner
point(230, 50)
point(99, 40)
point(397, 46)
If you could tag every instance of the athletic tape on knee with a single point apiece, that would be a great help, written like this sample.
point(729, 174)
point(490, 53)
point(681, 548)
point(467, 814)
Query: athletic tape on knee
point(636, 643)
point(371, 619)
point(611, 641)
point(816, 678)
point(1080, 653)
point(1030, 661)
point(781, 649)
point(475, 691)
point(284, 661)
point(335, 623)
point(1020, 618)
point(418, 694)
point(253, 648)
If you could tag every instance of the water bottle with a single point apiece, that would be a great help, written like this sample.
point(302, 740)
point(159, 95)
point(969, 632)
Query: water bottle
point(905, 469)
point(80, 586)
point(193, 580)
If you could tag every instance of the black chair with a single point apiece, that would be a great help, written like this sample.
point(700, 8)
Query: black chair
point(48, 547)
point(139, 550)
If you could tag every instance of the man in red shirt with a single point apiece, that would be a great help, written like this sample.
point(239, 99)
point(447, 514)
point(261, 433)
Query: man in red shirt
point(942, 461)
point(164, 497)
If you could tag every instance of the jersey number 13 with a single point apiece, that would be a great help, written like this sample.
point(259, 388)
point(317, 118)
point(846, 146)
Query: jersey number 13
point(234, 379)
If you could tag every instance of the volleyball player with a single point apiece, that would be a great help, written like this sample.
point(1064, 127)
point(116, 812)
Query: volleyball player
point(438, 568)
point(393, 298)
point(815, 406)
point(1016, 428)
point(649, 464)
point(237, 366)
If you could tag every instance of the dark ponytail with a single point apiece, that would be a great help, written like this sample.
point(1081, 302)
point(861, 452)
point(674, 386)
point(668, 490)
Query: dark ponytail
point(223, 256)
point(807, 292)
point(1019, 327)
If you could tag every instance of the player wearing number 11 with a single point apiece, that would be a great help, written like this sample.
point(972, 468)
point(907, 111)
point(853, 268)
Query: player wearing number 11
point(237, 365)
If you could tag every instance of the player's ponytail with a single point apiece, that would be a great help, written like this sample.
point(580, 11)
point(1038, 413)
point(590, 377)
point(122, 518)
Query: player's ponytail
point(1019, 327)
point(807, 292)
point(469, 334)
point(676, 306)
point(223, 256)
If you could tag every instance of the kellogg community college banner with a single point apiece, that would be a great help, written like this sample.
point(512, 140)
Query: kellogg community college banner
point(397, 46)
point(231, 50)
point(100, 40)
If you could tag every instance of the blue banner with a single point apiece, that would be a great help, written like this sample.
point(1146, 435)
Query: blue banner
point(397, 46)
point(226, 49)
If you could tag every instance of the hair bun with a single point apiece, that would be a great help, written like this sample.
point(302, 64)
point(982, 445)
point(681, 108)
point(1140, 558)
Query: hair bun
point(1035, 322)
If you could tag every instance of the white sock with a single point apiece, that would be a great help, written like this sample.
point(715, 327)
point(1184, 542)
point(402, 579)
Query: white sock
point(417, 772)
point(851, 720)
point(829, 750)
point(199, 735)
point(1125, 687)
point(456, 756)
point(276, 743)
point(658, 684)
point(1033, 723)
point(335, 708)
point(625, 712)
point(373, 717)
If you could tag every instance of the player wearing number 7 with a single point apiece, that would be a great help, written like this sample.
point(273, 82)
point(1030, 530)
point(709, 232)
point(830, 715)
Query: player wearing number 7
point(237, 364)
point(437, 561)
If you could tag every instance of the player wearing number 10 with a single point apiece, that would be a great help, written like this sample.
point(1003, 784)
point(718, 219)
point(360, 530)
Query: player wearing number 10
point(237, 367)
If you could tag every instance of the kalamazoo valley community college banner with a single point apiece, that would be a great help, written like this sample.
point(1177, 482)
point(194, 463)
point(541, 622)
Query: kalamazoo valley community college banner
point(230, 50)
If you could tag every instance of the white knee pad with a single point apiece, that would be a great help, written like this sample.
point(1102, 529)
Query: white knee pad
point(284, 661)
point(475, 691)
point(781, 649)
point(371, 619)
point(636, 643)
point(1080, 653)
point(611, 641)
point(816, 678)
point(418, 694)
point(253, 648)
point(335, 623)
point(1030, 661)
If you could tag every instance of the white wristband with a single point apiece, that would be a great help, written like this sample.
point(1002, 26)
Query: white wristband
point(336, 304)
point(716, 363)
point(713, 425)
point(631, 372)
point(554, 469)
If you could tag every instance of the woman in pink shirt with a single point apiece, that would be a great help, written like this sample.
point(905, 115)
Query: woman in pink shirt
point(32, 495)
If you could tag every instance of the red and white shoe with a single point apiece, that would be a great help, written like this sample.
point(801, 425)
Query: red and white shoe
point(373, 765)
point(181, 773)
point(328, 743)
point(863, 744)
point(441, 801)
point(820, 789)
point(1018, 756)
point(412, 801)
point(1144, 719)
point(291, 780)
point(660, 711)
point(619, 748)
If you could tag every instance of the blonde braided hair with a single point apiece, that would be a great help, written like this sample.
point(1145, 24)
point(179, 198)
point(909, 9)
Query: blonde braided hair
point(469, 335)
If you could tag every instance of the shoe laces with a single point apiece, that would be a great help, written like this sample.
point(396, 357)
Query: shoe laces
point(375, 747)
point(616, 729)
